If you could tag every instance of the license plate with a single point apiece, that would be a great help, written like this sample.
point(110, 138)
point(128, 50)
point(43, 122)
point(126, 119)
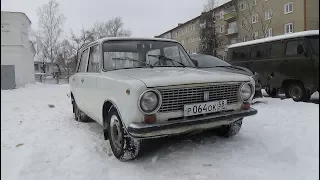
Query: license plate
point(204, 108)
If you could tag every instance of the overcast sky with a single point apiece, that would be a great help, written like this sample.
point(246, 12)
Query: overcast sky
point(145, 18)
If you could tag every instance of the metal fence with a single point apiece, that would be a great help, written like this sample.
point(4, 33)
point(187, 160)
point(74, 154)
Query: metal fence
point(50, 79)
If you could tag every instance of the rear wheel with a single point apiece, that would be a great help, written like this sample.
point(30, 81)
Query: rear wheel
point(298, 92)
point(79, 115)
point(123, 147)
point(230, 129)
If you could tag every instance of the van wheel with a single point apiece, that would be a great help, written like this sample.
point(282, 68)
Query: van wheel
point(308, 96)
point(123, 147)
point(79, 115)
point(297, 92)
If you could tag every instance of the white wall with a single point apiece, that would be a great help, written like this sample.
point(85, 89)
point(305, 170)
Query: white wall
point(22, 59)
point(15, 47)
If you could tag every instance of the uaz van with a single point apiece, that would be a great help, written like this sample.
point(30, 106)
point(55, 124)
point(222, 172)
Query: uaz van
point(287, 63)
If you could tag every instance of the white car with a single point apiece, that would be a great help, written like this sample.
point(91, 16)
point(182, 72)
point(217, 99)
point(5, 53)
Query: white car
point(142, 88)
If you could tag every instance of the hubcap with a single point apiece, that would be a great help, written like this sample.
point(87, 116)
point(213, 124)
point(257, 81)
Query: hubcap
point(295, 92)
point(115, 131)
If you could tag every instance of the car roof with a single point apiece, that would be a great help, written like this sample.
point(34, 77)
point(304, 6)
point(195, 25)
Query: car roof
point(128, 39)
point(275, 38)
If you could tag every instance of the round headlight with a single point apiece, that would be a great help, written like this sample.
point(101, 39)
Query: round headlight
point(149, 102)
point(246, 92)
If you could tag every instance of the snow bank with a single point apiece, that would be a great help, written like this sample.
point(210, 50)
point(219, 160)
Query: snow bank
point(39, 142)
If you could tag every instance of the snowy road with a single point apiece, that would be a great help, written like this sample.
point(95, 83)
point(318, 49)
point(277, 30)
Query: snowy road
point(39, 142)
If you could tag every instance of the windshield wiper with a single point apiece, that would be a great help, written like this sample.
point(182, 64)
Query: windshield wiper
point(131, 59)
point(166, 58)
point(232, 67)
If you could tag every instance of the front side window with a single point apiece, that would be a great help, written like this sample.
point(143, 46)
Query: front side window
point(314, 42)
point(128, 54)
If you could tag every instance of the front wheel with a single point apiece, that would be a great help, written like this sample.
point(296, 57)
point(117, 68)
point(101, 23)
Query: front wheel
point(123, 147)
point(230, 129)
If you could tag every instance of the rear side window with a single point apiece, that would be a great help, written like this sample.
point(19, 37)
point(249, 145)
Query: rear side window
point(240, 54)
point(83, 61)
point(93, 64)
point(294, 47)
point(277, 49)
point(260, 51)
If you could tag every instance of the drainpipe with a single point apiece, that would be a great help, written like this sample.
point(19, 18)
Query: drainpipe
point(305, 14)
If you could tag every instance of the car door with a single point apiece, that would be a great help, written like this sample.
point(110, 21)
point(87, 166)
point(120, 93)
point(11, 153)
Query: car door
point(78, 92)
point(90, 83)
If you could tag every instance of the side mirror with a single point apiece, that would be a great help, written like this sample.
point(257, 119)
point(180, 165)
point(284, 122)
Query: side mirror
point(195, 62)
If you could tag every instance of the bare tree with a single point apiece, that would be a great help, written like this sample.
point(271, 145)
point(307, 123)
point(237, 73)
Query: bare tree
point(211, 40)
point(77, 42)
point(111, 28)
point(255, 16)
point(49, 33)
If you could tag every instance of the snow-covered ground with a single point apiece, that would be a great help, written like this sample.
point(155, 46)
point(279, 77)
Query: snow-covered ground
point(39, 142)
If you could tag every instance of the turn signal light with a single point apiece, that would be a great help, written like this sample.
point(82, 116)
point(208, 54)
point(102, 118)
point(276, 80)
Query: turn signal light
point(150, 119)
point(245, 106)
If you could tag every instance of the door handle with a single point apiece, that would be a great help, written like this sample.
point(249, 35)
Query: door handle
point(285, 61)
point(82, 80)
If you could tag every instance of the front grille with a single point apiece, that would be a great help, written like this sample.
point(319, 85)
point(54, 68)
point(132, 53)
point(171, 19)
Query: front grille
point(174, 98)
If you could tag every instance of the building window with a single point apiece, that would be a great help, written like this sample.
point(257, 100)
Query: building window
point(288, 8)
point(242, 6)
point(193, 39)
point(221, 29)
point(255, 35)
point(268, 14)
point(254, 3)
point(244, 39)
point(243, 22)
point(233, 40)
point(255, 18)
point(288, 28)
point(268, 32)
point(221, 14)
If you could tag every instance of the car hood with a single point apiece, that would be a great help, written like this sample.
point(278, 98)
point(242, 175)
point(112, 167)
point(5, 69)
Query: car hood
point(241, 70)
point(167, 76)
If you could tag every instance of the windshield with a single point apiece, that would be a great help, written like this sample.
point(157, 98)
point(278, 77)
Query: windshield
point(314, 42)
point(126, 54)
point(206, 61)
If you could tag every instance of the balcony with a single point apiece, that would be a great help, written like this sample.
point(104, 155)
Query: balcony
point(230, 16)
point(231, 31)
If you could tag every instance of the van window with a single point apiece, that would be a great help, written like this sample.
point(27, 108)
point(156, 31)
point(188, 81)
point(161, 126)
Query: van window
point(277, 49)
point(240, 54)
point(83, 61)
point(260, 51)
point(294, 47)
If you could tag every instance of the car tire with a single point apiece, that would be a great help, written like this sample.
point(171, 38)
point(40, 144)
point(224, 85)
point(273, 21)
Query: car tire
point(297, 92)
point(79, 115)
point(122, 145)
point(230, 129)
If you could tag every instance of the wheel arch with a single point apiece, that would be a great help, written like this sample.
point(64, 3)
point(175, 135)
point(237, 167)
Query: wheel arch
point(107, 106)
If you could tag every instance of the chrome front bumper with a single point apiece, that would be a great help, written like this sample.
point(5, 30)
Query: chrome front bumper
point(142, 130)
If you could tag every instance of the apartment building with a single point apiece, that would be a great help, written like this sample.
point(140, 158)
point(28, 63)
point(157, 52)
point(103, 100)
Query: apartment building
point(244, 20)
